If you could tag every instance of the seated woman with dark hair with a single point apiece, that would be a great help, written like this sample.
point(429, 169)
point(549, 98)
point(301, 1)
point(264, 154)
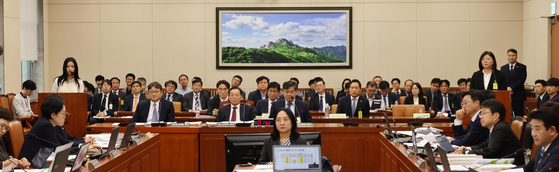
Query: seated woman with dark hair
point(5, 118)
point(416, 96)
point(285, 134)
point(49, 127)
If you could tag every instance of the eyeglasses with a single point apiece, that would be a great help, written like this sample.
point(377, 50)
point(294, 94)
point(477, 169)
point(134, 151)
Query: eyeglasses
point(154, 92)
point(5, 127)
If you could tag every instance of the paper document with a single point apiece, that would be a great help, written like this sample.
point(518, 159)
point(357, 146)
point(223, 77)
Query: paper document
point(261, 167)
point(67, 169)
point(479, 162)
point(96, 117)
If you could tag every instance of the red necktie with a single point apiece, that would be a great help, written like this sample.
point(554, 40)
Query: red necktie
point(234, 117)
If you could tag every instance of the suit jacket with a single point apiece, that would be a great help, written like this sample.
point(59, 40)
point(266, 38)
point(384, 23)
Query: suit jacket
point(262, 107)
point(339, 95)
point(496, 76)
point(541, 101)
point(429, 95)
point(175, 98)
point(344, 106)
point(121, 94)
point(45, 130)
point(549, 159)
point(189, 98)
point(282, 97)
point(454, 103)
point(301, 110)
point(515, 80)
point(392, 98)
point(129, 102)
point(245, 113)
point(481, 133)
point(89, 102)
point(502, 142)
point(267, 154)
point(549, 99)
point(422, 101)
point(214, 104)
point(403, 93)
point(314, 103)
point(309, 94)
point(166, 111)
point(255, 96)
point(96, 106)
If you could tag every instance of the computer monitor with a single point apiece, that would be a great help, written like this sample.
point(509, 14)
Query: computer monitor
point(245, 148)
point(60, 158)
point(431, 157)
point(112, 140)
point(80, 157)
point(297, 158)
point(127, 135)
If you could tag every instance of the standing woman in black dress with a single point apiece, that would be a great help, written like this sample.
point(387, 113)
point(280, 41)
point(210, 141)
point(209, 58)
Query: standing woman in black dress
point(488, 77)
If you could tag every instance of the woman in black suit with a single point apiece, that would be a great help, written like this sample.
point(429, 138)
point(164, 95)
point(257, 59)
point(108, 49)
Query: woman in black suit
point(5, 118)
point(488, 77)
point(416, 97)
point(285, 134)
point(344, 90)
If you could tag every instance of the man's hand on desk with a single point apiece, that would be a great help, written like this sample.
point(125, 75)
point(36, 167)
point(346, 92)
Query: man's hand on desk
point(216, 111)
point(94, 148)
point(461, 150)
point(90, 139)
point(101, 114)
point(23, 163)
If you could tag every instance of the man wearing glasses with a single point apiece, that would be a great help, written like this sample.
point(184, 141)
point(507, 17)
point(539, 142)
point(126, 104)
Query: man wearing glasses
point(475, 134)
point(157, 109)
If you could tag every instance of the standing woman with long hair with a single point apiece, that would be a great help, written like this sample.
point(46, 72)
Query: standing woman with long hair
point(488, 77)
point(70, 80)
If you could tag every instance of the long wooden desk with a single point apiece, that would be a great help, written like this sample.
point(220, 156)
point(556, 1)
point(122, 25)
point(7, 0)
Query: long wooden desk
point(201, 148)
point(316, 119)
point(143, 157)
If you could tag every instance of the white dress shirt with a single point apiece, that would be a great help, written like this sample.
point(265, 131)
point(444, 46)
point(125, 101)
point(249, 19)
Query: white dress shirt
point(459, 122)
point(416, 101)
point(67, 86)
point(150, 114)
point(323, 101)
point(194, 102)
point(270, 104)
point(486, 79)
point(292, 106)
point(382, 104)
point(238, 114)
point(181, 90)
point(106, 102)
point(21, 106)
point(370, 99)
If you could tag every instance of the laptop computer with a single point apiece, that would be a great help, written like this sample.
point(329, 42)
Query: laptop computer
point(127, 135)
point(446, 167)
point(298, 158)
point(80, 157)
point(430, 157)
point(114, 137)
point(60, 158)
point(445, 144)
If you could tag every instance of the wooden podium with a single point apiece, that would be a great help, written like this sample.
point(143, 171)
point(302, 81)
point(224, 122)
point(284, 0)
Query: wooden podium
point(504, 97)
point(76, 106)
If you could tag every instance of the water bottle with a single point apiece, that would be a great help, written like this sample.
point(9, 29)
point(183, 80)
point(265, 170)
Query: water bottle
point(197, 113)
point(396, 103)
point(421, 110)
point(326, 111)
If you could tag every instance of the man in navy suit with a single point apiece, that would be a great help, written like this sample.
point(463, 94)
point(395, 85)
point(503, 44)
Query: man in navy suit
point(197, 99)
point(545, 125)
point(235, 112)
point(131, 101)
point(260, 93)
point(104, 104)
point(156, 109)
point(446, 102)
point(433, 92)
point(386, 98)
point(541, 92)
point(515, 73)
point(300, 108)
point(475, 133)
point(171, 95)
point(319, 100)
point(263, 106)
point(407, 88)
point(222, 96)
point(552, 89)
point(352, 104)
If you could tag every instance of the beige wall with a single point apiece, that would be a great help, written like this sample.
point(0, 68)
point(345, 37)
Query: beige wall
point(417, 39)
point(12, 59)
point(536, 39)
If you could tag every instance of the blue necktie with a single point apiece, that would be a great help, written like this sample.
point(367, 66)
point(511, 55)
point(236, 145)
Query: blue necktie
point(154, 115)
point(353, 107)
point(320, 108)
point(541, 157)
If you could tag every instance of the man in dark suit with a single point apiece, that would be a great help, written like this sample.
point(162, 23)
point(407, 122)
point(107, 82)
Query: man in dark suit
point(545, 126)
point(171, 95)
point(300, 108)
point(503, 140)
point(130, 77)
point(541, 92)
point(236, 82)
point(552, 88)
point(260, 93)
point(351, 105)
point(370, 94)
point(264, 106)
point(115, 89)
point(431, 93)
point(195, 100)
point(312, 85)
point(462, 86)
point(222, 95)
point(321, 98)
point(131, 101)
point(235, 112)
point(156, 109)
point(515, 73)
point(104, 104)
point(99, 81)
point(386, 98)
point(446, 102)
point(475, 133)
point(407, 88)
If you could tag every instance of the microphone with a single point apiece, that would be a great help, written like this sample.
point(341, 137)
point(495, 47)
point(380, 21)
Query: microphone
point(528, 110)
point(16, 163)
point(469, 134)
point(91, 129)
point(517, 152)
point(72, 73)
point(417, 123)
point(293, 100)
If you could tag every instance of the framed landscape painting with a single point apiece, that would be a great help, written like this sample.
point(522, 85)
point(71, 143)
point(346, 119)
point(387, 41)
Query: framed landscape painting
point(283, 37)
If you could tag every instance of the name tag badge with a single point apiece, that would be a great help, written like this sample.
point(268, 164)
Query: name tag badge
point(110, 106)
point(121, 102)
point(495, 86)
point(299, 119)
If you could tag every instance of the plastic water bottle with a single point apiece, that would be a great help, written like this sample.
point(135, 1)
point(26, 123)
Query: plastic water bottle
point(396, 103)
point(326, 110)
point(197, 113)
point(421, 110)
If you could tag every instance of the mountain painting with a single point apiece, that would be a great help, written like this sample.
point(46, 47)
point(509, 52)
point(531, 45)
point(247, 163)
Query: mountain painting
point(273, 38)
